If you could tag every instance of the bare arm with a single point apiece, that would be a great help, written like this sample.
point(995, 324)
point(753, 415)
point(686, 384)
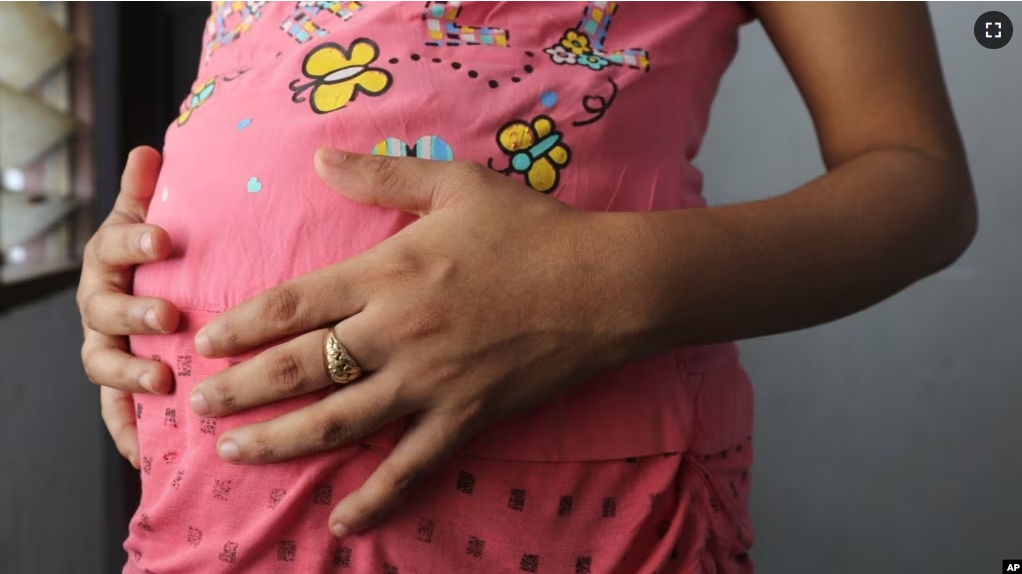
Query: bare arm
point(895, 205)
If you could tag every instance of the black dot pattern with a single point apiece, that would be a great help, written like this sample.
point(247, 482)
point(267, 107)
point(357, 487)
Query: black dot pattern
point(221, 489)
point(517, 500)
point(207, 425)
point(493, 83)
point(425, 533)
point(276, 495)
point(342, 556)
point(475, 547)
point(529, 563)
point(609, 507)
point(194, 536)
point(583, 565)
point(564, 505)
point(466, 482)
point(184, 365)
point(287, 551)
point(229, 552)
point(323, 494)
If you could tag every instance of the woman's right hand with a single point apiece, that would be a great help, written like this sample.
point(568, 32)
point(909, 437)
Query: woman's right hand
point(110, 313)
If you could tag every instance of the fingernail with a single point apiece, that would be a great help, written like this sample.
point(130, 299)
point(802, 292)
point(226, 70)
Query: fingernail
point(152, 321)
point(332, 156)
point(146, 382)
point(339, 530)
point(198, 403)
point(229, 451)
point(203, 345)
point(146, 244)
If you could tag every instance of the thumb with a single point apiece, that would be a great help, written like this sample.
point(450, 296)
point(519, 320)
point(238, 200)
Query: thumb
point(410, 184)
point(138, 184)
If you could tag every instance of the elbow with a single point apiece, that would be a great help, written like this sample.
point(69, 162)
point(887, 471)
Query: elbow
point(958, 219)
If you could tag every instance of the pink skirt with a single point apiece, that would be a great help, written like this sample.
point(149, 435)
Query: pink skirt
point(662, 514)
point(666, 513)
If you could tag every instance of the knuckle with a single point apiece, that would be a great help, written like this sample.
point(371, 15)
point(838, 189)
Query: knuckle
point(262, 450)
point(384, 171)
point(99, 245)
point(469, 169)
point(220, 395)
point(424, 322)
point(121, 447)
point(399, 264)
point(88, 311)
point(227, 334)
point(90, 374)
point(92, 245)
point(287, 373)
point(333, 432)
point(401, 480)
point(128, 243)
point(283, 304)
point(88, 364)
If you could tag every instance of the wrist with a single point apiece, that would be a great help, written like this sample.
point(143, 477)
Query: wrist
point(627, 275)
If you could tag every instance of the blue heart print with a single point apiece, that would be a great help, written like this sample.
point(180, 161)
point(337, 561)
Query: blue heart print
point(254, 185)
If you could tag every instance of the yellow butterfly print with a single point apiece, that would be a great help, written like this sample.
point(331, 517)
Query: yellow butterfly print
point(338, 75)
point(200, 93)
point(536, 150)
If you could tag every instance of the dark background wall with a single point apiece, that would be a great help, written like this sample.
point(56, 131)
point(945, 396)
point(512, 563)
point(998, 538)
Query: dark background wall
point(886, 442)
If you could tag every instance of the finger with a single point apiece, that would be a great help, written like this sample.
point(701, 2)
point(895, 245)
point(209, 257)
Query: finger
point(290, 369)
point(422, 448)
point(138, 184)
point(308, 302)
point(351, 413)
point(112, 313)
point(409, 184)
point(115, 247)
point(107, 364)
point(118, 410)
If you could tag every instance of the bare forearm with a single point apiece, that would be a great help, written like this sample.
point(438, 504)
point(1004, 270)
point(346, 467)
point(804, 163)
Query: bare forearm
point(838, 244)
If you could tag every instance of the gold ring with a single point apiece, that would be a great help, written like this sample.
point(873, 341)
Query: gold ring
point(339, 363)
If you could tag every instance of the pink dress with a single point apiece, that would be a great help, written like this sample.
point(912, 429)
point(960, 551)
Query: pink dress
point(602, 105)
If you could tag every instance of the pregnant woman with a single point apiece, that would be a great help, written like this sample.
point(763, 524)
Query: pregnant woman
point(434, 288)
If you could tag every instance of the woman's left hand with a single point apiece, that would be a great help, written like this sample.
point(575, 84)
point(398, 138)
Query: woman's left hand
point(495, 300)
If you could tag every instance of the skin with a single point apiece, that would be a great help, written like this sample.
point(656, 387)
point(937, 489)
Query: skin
point(458, 341)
